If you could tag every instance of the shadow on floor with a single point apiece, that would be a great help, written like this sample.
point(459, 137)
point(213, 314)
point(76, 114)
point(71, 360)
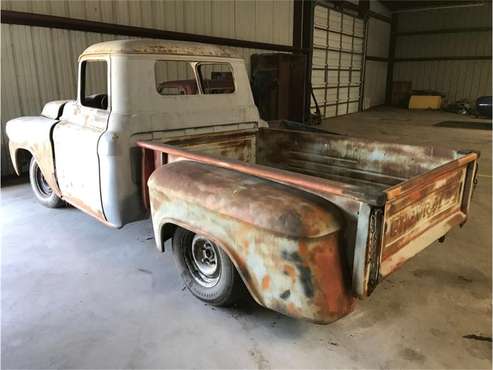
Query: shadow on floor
point(275, 322)
point(465, 124)
point(14, 180)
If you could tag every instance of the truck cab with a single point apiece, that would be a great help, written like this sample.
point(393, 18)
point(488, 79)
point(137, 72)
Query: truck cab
point(130, 90)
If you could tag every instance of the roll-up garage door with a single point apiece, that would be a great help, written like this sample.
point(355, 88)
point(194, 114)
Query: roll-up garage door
point(337, 61)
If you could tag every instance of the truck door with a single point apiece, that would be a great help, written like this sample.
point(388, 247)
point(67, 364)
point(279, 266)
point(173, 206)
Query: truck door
point(76, 138)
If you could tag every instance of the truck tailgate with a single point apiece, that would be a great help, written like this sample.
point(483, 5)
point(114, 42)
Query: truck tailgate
point(425, 208)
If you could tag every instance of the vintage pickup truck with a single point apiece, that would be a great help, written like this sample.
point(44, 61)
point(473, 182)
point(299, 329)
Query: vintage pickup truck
point(307, 222)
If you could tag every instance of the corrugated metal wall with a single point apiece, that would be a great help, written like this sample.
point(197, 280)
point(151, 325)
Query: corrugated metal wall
point(458, 79)
point(39, 64)
point(376, 71)
point(378, 7)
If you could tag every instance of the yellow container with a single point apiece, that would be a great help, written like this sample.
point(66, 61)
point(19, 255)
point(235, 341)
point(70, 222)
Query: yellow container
point(425, 102)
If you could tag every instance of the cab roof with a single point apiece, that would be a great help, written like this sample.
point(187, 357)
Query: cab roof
point(151, 46)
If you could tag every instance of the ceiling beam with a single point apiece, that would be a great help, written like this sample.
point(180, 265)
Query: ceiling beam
point(73, 24)
point(445, 30)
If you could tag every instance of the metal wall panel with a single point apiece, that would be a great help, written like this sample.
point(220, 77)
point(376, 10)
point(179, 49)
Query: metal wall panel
point(439, 19)
point(376, 71)
point(33, 73)
point(378, 38)
point(457, 79)
point(378, 7)
point(256, 20)
point(443, 45)
point(375, 84)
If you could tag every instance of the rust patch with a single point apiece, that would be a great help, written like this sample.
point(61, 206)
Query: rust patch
point(271, 206)
point(298, 180)
point(293, 311)
point(290, 271)
point(304, 273)
point(266, 282)
point(168, 47)
point(91, 212)
point(333, 295)
point(412, 214)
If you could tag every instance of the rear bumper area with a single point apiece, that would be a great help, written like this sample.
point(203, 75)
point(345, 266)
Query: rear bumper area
point(427, 210)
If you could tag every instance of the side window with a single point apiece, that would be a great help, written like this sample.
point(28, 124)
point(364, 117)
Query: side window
point(174, 77)
point(94, 84)
point(216, 78)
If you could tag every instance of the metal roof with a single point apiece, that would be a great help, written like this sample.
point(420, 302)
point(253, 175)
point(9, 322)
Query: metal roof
point(151, 46)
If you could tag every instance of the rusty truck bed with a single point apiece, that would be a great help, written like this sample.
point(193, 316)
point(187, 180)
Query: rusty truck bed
point(397, 199)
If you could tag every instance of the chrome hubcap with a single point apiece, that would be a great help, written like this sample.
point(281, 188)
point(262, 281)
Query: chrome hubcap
point(203, 261)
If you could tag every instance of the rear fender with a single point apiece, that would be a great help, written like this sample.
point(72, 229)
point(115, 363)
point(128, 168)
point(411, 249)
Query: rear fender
point(285, 243)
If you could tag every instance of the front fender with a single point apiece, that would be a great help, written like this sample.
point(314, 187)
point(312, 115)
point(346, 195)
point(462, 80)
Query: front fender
point(285, 243)
point(34, 135)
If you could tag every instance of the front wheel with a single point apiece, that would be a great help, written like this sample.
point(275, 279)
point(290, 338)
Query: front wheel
point(45, 195)
point(206, 269)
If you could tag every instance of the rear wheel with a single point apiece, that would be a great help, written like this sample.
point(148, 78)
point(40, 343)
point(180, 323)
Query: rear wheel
point(206, 269)
point(45, 195)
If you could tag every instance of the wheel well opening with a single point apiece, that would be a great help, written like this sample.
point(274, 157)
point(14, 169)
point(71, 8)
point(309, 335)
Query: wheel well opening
point(167, 231)
point(191, 261)
point(244, 273)
point(23, 158)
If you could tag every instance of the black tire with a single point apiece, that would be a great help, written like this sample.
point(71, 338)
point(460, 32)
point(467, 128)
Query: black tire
point(222, 287)
point(45, 195)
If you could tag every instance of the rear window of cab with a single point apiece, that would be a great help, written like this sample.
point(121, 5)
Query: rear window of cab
point(174, 77)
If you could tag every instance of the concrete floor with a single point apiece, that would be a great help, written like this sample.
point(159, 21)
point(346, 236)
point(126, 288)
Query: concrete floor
point(76, 294)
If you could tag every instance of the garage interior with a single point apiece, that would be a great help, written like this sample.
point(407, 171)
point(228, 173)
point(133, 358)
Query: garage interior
point(78, 294)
